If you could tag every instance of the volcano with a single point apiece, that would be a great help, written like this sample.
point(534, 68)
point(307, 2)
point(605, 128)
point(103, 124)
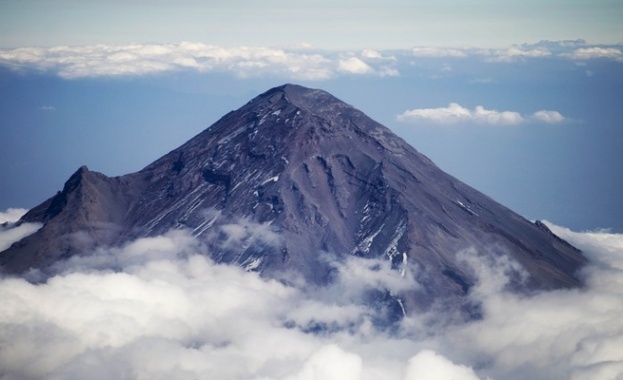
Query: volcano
point(297, 176)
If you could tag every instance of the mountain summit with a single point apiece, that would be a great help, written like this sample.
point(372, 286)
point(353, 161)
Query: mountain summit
point(289, 179)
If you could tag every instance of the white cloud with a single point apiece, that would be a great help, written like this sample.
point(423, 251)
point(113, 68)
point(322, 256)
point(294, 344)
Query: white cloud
point(454, 113)
point(438, 52)
point(143, 59)
point(495, 117)
point(11, 233)
point(246, 232)
point(572, 334)
point(429, 365)
point(157, 308)
point(595, 52)
point(354, 65)
point(550, 117)
point(514, 53)
point(373, 54)
point(290, 62)
point(330, 363)
point(12, 215)
point(576, 50)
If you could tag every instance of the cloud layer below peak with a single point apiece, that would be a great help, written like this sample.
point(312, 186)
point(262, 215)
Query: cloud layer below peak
point(164, 310)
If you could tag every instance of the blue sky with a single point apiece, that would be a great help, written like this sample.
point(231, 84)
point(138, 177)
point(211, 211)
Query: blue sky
point(523, 101)
point(328, 24)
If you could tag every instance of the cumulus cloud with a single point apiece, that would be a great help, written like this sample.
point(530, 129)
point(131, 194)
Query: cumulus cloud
point(596, 52)
point(143, 59)
point(571, 334)
point(354, 65)
point(429, 365)
point(550, 117)
point(454, 113)
point(330, 363)
point(159, 308)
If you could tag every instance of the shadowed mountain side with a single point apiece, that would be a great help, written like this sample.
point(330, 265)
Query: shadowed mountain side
point(312, 175)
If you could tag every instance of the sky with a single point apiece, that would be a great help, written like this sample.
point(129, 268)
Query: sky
point(520, 100)
point(346, 24)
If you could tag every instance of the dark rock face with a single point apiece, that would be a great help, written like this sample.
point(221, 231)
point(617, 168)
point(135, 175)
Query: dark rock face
point(319, 176)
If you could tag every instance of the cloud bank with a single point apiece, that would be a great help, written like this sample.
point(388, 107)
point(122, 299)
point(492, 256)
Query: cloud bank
point(303, 63)
point(157, 308)
point(143, 59)
point(454, 113)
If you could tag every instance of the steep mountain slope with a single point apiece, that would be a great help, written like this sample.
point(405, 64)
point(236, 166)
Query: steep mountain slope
point(291, 178)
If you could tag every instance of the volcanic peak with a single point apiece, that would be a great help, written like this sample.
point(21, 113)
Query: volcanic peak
point(321, 175)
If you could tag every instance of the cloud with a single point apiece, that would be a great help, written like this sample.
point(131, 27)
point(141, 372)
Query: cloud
point(568, 49)
point(429, 365)
point(376, 55)
point(330, 363)
point(10, 232)
point(511, 54)
point(159, 308)
point(515, 53)
point(454, 113)
point(438, 52)
point(354, 65)
point(296, 62)
point(560, 334)
point(12, 215)
point(550, 117)
point(595, 53)
point(144, 59)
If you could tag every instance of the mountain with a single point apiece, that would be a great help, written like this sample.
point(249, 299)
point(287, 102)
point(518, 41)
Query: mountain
point(289, 179)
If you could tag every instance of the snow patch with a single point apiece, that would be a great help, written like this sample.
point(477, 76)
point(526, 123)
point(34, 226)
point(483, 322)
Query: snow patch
point(253, 264)
point(366, 243)
point(403, 270)
point(466, 208)
point(402, 307)
point(392, 248)
point(271, 179)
